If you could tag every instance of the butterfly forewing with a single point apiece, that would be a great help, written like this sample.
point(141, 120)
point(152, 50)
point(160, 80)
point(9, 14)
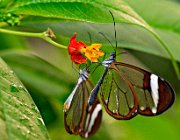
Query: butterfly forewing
point(155, 95)
point(80, 118)
point(74, 116)
point(117, 95)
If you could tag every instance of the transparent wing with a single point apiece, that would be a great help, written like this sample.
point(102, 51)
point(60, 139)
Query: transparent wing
point(74, 116)
point(155, 95)
point(78, 116)
point(118, 95)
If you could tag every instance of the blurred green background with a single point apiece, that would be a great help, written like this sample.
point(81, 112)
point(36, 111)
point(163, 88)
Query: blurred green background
point(47, 73)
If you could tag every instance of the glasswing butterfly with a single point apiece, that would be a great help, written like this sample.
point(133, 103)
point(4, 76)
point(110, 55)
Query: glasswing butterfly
point(80, 118)
point(127, 90)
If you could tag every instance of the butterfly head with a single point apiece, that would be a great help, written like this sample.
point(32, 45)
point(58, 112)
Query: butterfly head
point(113, 55)
point(84, 74)
point(109, 60)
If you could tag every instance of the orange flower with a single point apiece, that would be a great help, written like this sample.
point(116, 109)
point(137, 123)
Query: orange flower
point(92, 52)
point(79, 51)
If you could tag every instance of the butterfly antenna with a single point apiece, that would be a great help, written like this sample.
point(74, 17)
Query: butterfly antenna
point(124, 52)
point(74, 68)
point(95, 68)
point(90, 37)
point(107, 40)
point(87, 66)
point(104, 56)
point(80, 66)
point(114, 28)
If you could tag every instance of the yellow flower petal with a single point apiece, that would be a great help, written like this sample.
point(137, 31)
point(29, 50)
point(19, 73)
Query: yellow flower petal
point(83, 50)
point(92, 52)
point(101, 53)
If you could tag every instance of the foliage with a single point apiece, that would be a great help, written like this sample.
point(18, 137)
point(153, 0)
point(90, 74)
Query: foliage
point(148, 30)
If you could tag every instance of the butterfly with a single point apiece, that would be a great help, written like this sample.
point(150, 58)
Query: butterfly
point(127, 90)
point(80, 118)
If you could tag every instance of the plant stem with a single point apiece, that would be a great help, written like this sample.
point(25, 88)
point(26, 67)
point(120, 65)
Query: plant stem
point(174, 63)
point(39, 35)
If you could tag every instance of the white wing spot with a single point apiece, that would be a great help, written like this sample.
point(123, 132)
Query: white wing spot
point(154, 110)
point(93, 118)
point(106, 101)
point(86, 135)
point(142, 107)
point(154, 91)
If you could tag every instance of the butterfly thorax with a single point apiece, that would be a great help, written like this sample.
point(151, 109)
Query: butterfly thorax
point(109, 60)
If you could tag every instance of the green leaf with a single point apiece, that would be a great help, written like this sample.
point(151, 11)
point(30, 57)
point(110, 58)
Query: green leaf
point(165, 14)
point(19, 116)
point(81, 10)
point(5, 3)
point(164, 18)
point(89, 11)
point(40, 76)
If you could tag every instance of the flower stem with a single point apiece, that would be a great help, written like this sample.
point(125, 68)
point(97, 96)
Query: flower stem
point(39, 35)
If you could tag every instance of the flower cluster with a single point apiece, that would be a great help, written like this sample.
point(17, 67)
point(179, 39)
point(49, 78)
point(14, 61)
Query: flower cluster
point(74, 50)
point(80, 52)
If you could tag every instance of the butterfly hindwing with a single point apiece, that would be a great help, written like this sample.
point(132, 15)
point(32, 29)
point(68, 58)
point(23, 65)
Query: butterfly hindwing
point(93, 119)
point(155, 95)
